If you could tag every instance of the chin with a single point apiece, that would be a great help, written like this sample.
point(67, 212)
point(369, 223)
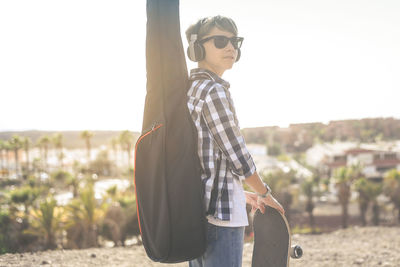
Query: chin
point(228, 67)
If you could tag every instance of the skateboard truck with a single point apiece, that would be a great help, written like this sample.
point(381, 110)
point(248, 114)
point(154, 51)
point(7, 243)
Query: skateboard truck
point(296, 252)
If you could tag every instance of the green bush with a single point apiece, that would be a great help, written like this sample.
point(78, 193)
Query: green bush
point(60, 176)
point(8, 182)
point(5, 222)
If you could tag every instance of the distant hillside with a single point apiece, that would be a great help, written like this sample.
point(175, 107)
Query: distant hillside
point(72, 139)
point(295, 138)
point(299, 137)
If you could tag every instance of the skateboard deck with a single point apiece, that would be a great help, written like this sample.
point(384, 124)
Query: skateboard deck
point(272, 240)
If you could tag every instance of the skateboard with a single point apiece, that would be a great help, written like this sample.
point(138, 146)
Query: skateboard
point(272, 240)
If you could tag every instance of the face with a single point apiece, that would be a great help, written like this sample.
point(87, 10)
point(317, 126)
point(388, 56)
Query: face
point(218, 60)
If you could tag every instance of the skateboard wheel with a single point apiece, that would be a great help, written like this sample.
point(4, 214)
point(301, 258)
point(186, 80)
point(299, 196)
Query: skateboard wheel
point(296, 252)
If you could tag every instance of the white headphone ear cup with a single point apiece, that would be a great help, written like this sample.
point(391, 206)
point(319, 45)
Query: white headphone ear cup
point(191, 52)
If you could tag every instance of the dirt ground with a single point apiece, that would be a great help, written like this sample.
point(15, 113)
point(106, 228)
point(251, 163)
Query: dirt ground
point(356, 246)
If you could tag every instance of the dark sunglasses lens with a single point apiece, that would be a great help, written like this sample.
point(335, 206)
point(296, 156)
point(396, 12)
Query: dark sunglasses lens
point(220, 41)
point(238, 43)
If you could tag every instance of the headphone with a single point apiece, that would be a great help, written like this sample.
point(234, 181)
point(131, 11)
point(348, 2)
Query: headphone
point(195, 50)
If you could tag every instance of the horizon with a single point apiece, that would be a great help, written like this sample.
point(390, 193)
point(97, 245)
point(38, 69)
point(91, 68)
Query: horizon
point(302, 62)
point(262, 126)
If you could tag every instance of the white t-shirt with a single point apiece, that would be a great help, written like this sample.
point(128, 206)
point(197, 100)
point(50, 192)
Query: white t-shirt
point(239, 215)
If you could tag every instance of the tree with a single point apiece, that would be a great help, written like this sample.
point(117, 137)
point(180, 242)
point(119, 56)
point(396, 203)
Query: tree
point(46, 222)
point(7, 148)
point(26, 143)
point(7, 229)
point(84, 217)
point(344, 178)
point(114, 146)
point(60, 178)
point(43, 144)
point(361, 185)
point(368, 191)
point(12, 236)
point(126, 141)
point(25, 195)
point(58, 144)
point(16, 145)
point(2, 149)
point(280, 184)
point(86, 135)
point(374, 191)
point(73, 181)
point(274, 149)
point(120, 220)
point(101, 165)
point(308, 189)
point(392, 188)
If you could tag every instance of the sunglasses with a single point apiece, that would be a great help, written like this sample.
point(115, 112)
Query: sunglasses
point(221, 41)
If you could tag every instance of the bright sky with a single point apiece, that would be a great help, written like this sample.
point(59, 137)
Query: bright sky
point(80, 64)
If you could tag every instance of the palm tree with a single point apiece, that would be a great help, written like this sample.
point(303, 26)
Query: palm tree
point(2, 167)
point(392, 188)
point(368, 192)
point(43, 144)
point(112, 193)
point(344, 178)
point(308, 190)
point(83, 219)
point(114, 146)
point(58, 144)
point(26, 143)
point(46, 222)
point(120, 220)
point(374, 191)
point(60, 178)
point(126, 141)
point(16, 145)
point(361, 185)
point(73, 182)
point(86, 135)
point(7, 148)
point(25, 196)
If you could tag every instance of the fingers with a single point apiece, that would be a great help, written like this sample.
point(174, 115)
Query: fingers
point(262, 208)
point(272, 202)
point(280, 209)
point(253, 210)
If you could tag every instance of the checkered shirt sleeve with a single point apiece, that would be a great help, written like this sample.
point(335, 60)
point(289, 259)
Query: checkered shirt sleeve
point(219, 115)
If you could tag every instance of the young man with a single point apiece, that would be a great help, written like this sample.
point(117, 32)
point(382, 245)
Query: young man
point(225, 160)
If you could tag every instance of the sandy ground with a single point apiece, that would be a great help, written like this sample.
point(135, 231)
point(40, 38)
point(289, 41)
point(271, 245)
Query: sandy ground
point(370, 246)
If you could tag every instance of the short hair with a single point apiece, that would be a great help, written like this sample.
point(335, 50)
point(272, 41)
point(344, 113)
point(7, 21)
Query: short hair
point(204, 26)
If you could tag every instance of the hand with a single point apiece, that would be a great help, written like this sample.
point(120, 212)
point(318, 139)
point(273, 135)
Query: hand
point(270, 201)
point(251, 199)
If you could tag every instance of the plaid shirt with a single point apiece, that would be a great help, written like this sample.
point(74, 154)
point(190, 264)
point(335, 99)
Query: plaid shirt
point(220, 143)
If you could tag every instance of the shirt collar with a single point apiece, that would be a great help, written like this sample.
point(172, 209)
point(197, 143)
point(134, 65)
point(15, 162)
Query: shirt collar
point(200, 73)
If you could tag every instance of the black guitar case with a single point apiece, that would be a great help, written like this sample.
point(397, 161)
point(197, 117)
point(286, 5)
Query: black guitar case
point(169, 192)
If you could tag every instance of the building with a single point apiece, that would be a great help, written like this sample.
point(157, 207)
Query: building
point(374, 163)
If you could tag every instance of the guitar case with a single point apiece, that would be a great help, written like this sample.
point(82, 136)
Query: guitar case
point(168, 187)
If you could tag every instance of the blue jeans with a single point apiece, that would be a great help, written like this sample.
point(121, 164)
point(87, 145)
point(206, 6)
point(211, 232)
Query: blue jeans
point(224, 247)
